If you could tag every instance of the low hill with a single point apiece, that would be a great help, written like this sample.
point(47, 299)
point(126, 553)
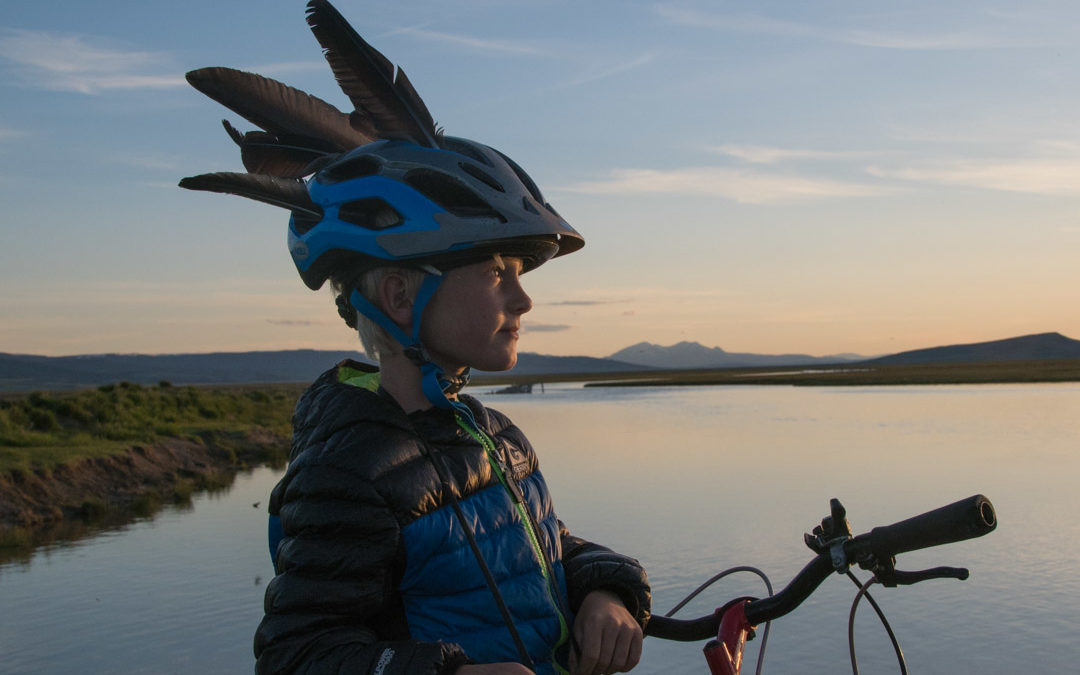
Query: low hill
point(696, 355)
point(1043, 346)
point(22, 372)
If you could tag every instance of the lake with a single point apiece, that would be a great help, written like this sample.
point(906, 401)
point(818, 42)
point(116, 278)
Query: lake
point(689, 480)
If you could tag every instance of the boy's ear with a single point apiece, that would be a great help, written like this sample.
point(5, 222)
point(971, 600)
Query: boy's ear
point(395, 301)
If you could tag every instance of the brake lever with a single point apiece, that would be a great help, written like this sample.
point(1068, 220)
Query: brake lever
point(892, 578)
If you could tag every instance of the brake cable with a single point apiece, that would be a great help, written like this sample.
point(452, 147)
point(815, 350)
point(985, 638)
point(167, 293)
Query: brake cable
point(864, 591)
point(742, 568)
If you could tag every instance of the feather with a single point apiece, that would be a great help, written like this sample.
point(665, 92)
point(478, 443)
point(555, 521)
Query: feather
point(263, 152)
point(233, 132)
point(385, 102)
point(284, 192)
point(266, 154)
point(279, 108)
point(283, 157)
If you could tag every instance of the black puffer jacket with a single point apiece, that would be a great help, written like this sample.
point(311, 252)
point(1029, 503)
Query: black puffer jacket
point(359, 476)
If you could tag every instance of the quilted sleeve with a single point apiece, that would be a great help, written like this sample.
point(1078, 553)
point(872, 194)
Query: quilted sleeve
point(591, 567)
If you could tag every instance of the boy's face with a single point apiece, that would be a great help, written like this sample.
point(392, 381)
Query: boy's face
point(474, 317)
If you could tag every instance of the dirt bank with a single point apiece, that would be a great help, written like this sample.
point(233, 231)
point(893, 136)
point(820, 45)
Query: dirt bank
point(166, 471)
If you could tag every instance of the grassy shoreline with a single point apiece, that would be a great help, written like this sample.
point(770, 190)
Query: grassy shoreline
point(77, 462)
point(40, 431)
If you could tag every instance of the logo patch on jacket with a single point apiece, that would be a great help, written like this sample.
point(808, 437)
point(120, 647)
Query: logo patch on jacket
point(514, 459)
point(384, 660)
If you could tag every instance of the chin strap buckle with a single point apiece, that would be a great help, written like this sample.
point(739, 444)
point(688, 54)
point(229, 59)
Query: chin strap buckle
point(417, 355)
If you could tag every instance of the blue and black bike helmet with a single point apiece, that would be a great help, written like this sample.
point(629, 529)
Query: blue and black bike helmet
point(395, 203)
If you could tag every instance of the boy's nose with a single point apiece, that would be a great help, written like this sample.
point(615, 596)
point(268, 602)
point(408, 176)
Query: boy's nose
point(521, 302)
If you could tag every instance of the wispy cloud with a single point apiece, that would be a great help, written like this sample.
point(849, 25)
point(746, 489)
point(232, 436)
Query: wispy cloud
point(276, 70)
point(759, 154)
point(915, 42)
point(580, 303)
point(545, 327)
point(8, 134)
point(294, 322)
point(596, 73)
point(742, 186)
point(69, 63)
point(1044, 176)
point(742, 23)
point(480, 44)
point(145, 162)
point(920, 40)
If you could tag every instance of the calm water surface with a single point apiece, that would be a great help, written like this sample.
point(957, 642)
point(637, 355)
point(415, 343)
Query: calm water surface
point(690, 481)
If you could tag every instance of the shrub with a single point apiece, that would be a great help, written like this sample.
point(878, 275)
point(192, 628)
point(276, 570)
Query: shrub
point(38, 399)
point(43, 420)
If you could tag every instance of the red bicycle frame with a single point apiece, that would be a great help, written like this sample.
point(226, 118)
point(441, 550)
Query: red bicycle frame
point(724, 654)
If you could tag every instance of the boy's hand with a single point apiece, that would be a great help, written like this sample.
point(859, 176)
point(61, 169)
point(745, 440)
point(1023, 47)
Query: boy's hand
point(609, 638)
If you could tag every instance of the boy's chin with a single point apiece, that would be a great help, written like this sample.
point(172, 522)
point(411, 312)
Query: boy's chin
point(498, 365)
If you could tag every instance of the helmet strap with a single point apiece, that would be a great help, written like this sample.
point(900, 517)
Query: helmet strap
point(434, 381)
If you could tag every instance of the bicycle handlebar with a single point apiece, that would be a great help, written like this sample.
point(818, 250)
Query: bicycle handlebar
point(965, 519)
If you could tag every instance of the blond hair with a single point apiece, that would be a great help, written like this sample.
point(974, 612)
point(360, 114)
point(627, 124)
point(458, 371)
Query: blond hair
point(374, 338)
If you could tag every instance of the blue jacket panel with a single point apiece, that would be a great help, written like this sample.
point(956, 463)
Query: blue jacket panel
point(446, 595)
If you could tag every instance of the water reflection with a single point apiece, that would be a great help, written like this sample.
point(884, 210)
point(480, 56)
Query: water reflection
point(695, 480)
point(100, 521)
point(180, 592)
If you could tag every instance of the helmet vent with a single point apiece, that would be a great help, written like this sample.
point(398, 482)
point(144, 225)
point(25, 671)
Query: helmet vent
point(360, 166)
point(455, 145)
point(451, 194)
point(527, 203)
point(524, 178)
point(302, 221)
point(482, 176)
point(371, 213)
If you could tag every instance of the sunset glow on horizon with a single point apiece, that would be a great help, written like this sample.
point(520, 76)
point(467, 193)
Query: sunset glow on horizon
point(812, 178)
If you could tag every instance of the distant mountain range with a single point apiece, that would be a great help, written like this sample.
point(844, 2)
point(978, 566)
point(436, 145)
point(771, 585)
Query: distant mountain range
point(22, 372)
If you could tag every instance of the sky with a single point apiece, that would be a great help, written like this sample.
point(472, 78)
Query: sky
point(769, 177)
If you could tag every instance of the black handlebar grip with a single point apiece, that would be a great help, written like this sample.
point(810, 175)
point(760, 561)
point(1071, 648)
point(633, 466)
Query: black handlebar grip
point(683, 630)
point(965, 519)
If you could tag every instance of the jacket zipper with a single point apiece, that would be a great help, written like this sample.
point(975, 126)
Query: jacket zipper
point(518, 499)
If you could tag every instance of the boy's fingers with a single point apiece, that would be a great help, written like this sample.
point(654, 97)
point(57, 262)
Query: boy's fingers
point(635, 650)
point(628, 651)
point(624, 652)
point(591, 660)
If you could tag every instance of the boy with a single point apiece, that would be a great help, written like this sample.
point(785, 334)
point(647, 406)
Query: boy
point(417, 534)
